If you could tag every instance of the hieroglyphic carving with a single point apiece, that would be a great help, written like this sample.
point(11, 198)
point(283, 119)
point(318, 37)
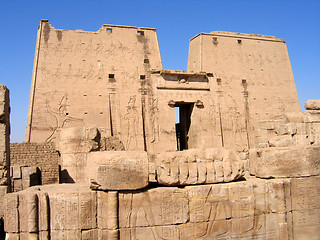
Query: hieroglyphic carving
point(155, 125)
point(234, 130)
point(132, 123)
point(61, 114)
point(118, 170)
point(11, 213)
point(155, 207)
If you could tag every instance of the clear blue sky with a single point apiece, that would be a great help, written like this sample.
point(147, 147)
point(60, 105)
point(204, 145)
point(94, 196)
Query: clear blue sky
point(298, 22)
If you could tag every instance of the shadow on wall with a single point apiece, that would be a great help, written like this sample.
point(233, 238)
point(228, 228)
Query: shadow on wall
point(2, 233)
point(36, 178)
point(64, 176)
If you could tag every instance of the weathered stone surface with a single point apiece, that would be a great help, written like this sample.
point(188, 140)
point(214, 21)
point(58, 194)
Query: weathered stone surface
point(306, 207)
point(130, 105)
point(11, 218)
point(311, 116)
point(217, 211)
point(285, 162)
point(62, 210)
point(42, 158)
point(269, 209)
point(118, 170)
point(294, 117)
point(312, 104)
point(5, 183)
point(198, 166)
point(79, 139)
point(155, 207)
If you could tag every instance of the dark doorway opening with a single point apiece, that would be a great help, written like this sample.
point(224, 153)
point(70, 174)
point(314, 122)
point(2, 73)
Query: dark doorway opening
point(183, 121)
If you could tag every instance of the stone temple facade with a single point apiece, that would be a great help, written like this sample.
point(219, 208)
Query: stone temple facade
point(105, 158)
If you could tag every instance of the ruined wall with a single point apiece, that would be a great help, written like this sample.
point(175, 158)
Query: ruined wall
point(266, 209)
point(252, 81)
point(4, 143)
point(26, 158)
point(92, 79)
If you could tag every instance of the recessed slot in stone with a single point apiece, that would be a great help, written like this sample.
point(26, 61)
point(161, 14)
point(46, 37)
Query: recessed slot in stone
point(140, 33)
point(142, 76)
point(215, 40)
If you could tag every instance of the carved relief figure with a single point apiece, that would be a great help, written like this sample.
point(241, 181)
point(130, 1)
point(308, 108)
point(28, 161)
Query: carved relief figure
point(132, 123)
point(61, 114)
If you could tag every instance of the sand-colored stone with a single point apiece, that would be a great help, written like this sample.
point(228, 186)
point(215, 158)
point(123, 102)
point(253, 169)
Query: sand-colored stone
point(285, 162)
point(198, 166)
point(241, 163)
point(118, 170)
point(271, 209)
point(116, 57)
point(5, 183)
point(312, 104)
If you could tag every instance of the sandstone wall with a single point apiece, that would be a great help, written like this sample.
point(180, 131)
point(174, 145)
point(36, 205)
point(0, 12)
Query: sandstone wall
point(264, 209)
point(26, 158)
point(293, 129)
point(113, 79)
point(92, 79)
point(252, 81)
point(4, 143)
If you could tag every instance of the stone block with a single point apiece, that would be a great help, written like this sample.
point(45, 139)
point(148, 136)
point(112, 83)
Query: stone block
point(313, 104)
point(115, 170)
point(107, 210)
point(241, 200)
point(66, 234)
point(12, 236)
point(108, 234)
point(16, 172)
point(311, 116)
point(72, 210)
point(209, 202)
point(17, 185)
point(89, 234)
point(198, 166)
point(29, 236)
point(281, 141)
point(294, 117)
point(278, 193)
point(305, 193)
point(154, 207)
point(28, 212)
point(78, 139)
point(302, 140)
point(306, 224)
point(285, 162)
point(43, 212)
point(11, 219)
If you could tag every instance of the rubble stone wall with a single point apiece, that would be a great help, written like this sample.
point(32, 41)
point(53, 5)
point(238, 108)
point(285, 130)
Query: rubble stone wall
point(26, 157)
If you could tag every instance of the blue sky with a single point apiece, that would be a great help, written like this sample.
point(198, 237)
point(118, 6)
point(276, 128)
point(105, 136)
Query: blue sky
point(298, 22)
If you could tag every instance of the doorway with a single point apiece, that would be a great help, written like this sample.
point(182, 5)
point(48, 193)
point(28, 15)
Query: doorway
point(183, 121)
